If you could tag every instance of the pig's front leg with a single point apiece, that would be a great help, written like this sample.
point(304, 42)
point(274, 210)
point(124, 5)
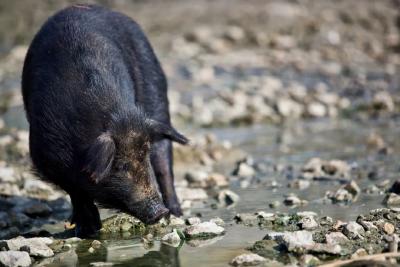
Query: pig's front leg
point(161, 161)
point(85, 215)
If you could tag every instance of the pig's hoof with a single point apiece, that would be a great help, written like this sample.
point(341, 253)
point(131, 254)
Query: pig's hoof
point(86, 231)
point(175, 209)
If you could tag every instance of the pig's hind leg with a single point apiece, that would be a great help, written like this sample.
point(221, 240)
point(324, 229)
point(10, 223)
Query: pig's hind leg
point(162, 162)
point(85, 215)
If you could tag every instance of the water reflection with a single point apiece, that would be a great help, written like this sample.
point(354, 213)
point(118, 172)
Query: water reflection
point(134, 254)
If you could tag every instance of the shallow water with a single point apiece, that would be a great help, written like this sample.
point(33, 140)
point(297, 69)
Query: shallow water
point(290, 145)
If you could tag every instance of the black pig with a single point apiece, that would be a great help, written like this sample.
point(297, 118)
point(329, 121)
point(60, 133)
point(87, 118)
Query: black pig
point(96, 101)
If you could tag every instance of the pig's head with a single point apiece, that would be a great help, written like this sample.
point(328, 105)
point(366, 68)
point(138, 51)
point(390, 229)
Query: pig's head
point(119, 169)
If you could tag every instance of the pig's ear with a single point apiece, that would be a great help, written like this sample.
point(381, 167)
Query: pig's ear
point(161, 130)
point(99, 157)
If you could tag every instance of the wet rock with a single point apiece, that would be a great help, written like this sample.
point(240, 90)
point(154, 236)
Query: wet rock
point(244, 170)
point(383, 101)
point(8, 189)
point(8, 175)
point(296, 240)
point(247, 218)
point(204, 230)
point(289, 108)
point(293, 200)
point(38, 189)
point(247, 259)
point(308, 223)
point(73, 240)
point(15, 259)
point(228, 197)
point(317, 169)
point(303, 214)
point(197, 243)
point(300, 184)
point(196, 178)
point(38, 209)
point(336, 238)
point(96, 244)
point(176, 221)
point(388, 228)
point(316, 109)
point(101, 264)
point(191, 193)
point(301, 242)
point(352, 188)
point(359, 253)
point(392, 199)
point(200, 34)
point(217, 179)
point(274, 204)
point(4, 220)
point(218, 221)
point(20, 219)
point(309, 260)
point(375, 142)
point(38, 246)
point(265, 215)
point(172, 239)
point(347, 193)
point(353, 230)
point(368, 226)
point(234, 34)
point(393, 242)
point(193, 220)
point(326, 220)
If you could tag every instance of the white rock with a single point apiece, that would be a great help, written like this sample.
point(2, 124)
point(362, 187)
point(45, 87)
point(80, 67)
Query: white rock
point(306, 214)
point(353, 230)
point(101, 264)
point(217, 179)
point(7, 175)
point(172, 239)
point(245, 170)
point(193, 220)
point(316, 109)
point(191, 194)
point(297, 239)
point(384, 100)
point(228, 197)
point(266, 215)
point(38, 245)
point(336, 238)
point(308, 223)
point(289, 108)
point(15, 259)
point(218, 221)
point(204, 229)
point(247, 259)
point(196, 178)
point(176, 221)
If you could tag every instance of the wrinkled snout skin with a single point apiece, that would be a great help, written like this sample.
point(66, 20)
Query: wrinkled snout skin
point(150, 210)
point(96, 101)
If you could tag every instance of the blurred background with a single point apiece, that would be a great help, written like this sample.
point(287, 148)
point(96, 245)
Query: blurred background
point(261, 87)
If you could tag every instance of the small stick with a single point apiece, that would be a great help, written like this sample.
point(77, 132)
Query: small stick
point(394, 243)
point(369, 257)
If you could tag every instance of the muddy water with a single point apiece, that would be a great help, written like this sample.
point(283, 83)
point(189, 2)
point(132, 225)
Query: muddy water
point(291, 145)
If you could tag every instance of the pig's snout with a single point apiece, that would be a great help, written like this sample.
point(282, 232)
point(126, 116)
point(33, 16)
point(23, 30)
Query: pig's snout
point(150, 210)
